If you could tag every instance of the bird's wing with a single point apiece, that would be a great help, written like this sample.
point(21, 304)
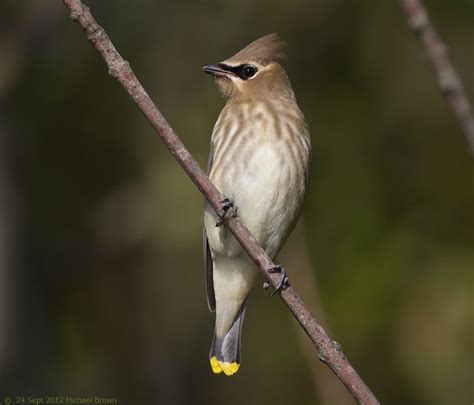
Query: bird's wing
point(208, 264)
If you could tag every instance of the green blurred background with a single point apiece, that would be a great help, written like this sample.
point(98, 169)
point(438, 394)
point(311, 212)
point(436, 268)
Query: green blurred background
point(101, 274)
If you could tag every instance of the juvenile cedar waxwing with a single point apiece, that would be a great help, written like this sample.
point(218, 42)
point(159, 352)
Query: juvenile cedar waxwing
point(259, 160)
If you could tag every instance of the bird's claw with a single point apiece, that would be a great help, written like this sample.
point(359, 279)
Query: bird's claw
point(226, 211)
point(284, 282)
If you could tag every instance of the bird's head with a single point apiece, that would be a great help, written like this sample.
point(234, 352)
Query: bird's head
point(254, 72)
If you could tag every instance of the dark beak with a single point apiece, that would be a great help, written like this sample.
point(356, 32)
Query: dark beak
point(216, 70)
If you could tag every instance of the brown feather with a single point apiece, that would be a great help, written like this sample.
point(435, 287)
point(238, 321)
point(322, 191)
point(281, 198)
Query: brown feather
point(263, 50)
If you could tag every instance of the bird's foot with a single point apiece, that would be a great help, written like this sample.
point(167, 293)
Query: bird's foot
point(284, 282)
point(227, 210)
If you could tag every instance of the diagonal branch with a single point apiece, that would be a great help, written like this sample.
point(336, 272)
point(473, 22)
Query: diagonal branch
point(449, 80)
point(329, 351)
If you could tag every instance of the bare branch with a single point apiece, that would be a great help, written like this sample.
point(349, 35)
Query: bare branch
point(449, 80)
point(329, 351)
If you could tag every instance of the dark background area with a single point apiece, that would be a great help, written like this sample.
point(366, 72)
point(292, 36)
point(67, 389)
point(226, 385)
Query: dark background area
point(101, 274)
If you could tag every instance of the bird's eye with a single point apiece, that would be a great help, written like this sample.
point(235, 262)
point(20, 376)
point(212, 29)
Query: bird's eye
point(249, 71)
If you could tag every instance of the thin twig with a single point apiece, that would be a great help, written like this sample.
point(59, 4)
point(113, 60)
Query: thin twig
point(449, 80)
point(329, 351)
point(328, 390)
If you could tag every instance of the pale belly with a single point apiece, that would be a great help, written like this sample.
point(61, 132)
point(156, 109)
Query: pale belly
point(266, 201)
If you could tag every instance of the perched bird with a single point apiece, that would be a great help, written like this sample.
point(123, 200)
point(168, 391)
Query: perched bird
point(259, 160)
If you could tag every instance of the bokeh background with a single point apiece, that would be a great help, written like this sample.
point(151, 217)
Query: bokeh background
point(101, 274)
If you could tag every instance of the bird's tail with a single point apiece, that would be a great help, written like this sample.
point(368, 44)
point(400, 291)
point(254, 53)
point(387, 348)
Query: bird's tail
point(224, 355)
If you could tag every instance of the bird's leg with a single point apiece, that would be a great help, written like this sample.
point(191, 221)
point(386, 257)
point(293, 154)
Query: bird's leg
point(284, 279)
point(226, 210)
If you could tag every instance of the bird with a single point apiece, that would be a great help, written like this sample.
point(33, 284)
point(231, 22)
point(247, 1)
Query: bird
point(259, 160)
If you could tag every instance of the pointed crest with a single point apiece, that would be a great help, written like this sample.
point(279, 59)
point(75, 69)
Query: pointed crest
point(263, 50)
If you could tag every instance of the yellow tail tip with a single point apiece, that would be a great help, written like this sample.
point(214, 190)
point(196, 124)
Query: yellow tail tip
point(216, 368)
point(221, 366)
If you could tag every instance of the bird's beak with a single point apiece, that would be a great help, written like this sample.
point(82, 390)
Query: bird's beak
point(217, 70)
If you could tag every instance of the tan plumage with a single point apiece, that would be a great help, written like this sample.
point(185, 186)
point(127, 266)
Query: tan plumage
point(259, 159)
point(264, 50)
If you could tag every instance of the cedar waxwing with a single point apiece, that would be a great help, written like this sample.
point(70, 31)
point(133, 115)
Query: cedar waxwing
point(259, 160)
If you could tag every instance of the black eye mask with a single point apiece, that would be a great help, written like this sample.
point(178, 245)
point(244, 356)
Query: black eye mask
point(244, 71)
